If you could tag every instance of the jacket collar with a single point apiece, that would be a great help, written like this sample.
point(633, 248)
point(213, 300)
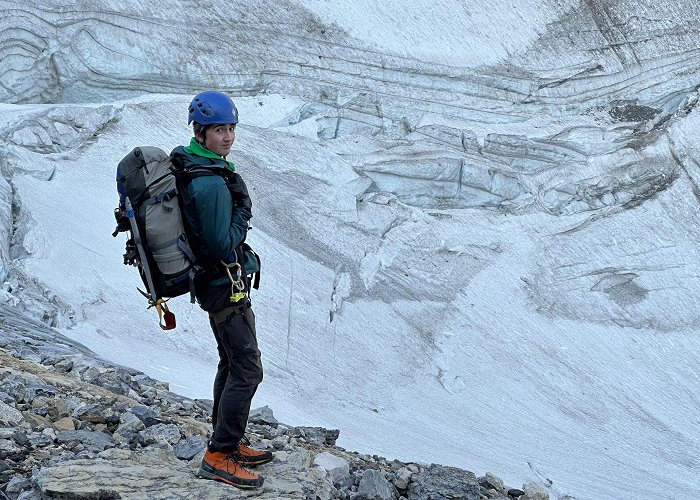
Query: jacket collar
point(197, 149)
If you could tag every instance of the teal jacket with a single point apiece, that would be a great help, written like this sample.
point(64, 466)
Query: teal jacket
point(210, 210)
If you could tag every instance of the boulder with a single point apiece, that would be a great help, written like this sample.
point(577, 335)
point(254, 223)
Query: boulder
point(169, 433)
point(436, 482)
point(190, 447)
point(374, 486)
point(336, 467)
point(136, 476)
point(9, 416)
point(535, 491)
point(92, 440)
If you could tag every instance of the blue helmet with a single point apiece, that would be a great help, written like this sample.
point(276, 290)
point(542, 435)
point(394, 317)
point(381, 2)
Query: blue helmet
point(212, 108)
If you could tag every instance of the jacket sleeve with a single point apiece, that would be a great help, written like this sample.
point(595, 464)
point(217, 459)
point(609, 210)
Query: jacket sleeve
point(223, 228)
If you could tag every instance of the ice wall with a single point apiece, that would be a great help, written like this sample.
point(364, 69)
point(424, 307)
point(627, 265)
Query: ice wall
point(482, 216)
point(571, 93)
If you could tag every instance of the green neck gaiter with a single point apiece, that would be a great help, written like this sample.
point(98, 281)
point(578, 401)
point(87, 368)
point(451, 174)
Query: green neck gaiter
point(196, 148)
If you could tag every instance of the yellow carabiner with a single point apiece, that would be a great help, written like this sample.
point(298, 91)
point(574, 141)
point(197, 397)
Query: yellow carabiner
point(237, 267)
point(237, 284)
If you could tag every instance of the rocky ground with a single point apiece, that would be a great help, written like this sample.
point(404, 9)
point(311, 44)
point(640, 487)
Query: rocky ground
point(73, 426)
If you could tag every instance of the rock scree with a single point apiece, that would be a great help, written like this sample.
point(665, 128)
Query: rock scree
point(73, 426)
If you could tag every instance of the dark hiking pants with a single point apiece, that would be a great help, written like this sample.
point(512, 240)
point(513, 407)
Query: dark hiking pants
point(237, 378)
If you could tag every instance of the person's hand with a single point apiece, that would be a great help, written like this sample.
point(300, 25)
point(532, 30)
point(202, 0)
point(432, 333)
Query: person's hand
point(239, 192)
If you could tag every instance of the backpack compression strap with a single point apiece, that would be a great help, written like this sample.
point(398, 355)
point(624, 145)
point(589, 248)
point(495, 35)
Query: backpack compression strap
point(139, 246)
point(166, 319)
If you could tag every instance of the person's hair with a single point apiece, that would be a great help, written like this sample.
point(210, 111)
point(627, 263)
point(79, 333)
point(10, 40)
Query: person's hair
point(199, 129)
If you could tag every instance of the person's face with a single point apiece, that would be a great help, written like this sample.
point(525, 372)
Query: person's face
point(219, 138)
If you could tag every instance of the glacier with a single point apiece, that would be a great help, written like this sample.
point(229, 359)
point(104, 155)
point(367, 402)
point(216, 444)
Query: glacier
point(477, 222)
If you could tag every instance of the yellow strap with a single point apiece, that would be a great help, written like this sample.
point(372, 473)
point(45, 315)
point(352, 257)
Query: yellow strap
point(161, 307)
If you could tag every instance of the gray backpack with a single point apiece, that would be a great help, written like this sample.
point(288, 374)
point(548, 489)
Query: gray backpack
point(149, 209)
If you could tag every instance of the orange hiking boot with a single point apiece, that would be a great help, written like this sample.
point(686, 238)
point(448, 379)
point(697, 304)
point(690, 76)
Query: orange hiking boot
point(249, 457)
point(225, 467)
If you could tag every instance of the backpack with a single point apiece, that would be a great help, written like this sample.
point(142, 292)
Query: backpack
point(160, 244)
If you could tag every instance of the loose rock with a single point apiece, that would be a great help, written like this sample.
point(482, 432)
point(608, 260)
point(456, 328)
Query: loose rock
point(374, 486)
point(337, 468)
point(9, 416)
point(437, 482)
point(78, 433)
point(535, 491)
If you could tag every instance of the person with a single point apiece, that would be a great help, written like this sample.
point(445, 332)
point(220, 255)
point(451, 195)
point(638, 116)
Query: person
point(217, 214)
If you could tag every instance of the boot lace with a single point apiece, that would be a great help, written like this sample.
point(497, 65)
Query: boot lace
point(237, 459)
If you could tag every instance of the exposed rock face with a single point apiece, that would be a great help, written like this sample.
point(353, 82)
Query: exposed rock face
point(75, 433)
